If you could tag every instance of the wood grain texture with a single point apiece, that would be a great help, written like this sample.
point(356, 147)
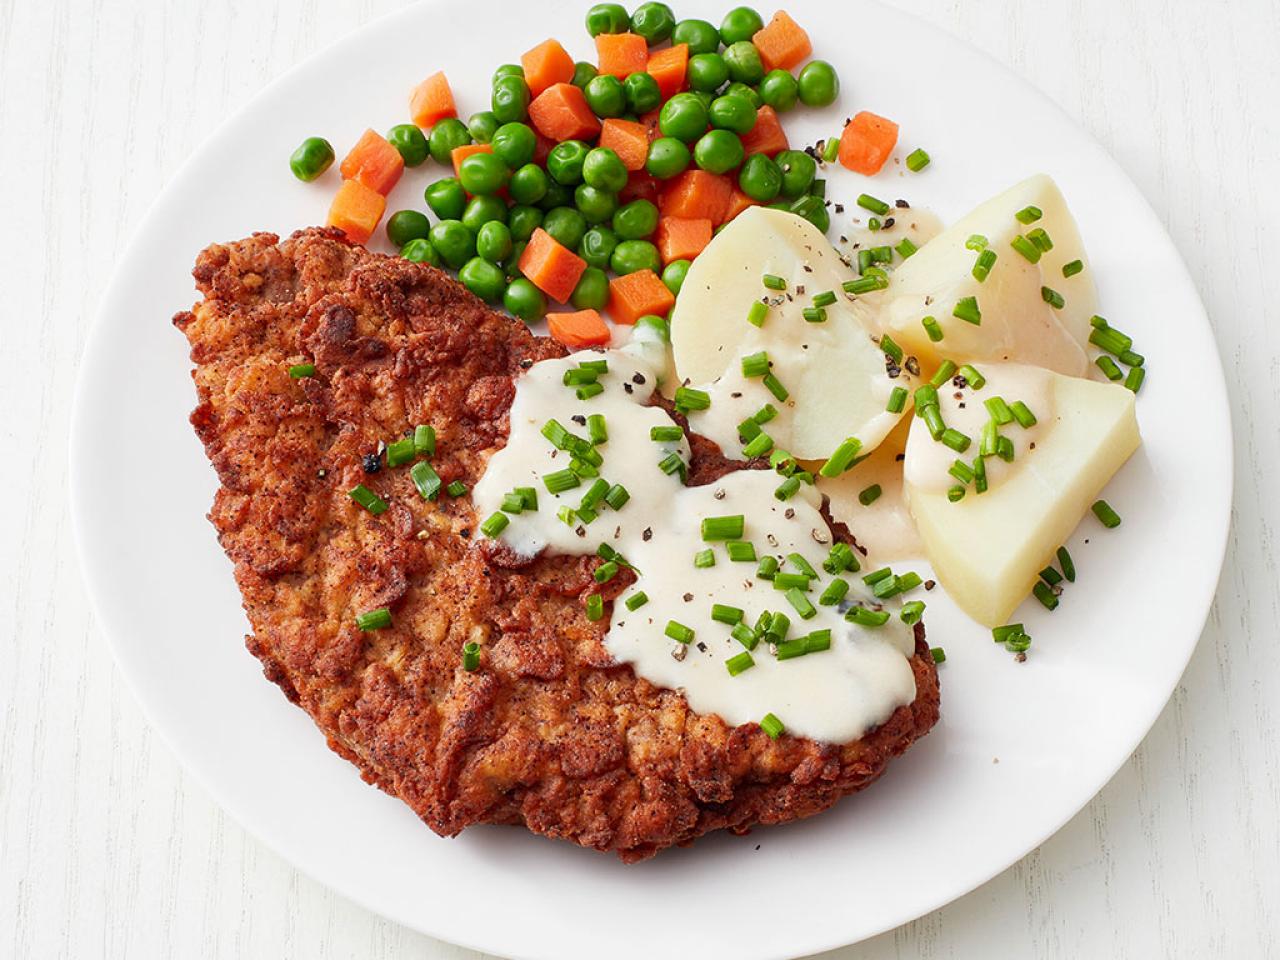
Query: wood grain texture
point(107, 849)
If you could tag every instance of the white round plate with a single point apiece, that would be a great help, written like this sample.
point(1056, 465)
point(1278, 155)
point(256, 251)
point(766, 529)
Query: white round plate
point(1020, 747)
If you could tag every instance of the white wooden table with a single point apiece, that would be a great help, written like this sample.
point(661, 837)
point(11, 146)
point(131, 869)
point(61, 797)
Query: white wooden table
point(108, 849)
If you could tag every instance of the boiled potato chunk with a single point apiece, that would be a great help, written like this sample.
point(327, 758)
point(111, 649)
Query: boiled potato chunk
point(834, 373)
point(1017, 324)
point(988, 549)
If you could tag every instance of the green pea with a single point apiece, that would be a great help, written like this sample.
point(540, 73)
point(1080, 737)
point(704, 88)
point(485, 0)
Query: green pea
point(607, 18)
point(732, 113)
point(565, 160)
point(595, 205)
point(583, 73)
point(597, 247)
point(642, 93)
point(482, 125)
point(684, 117)
point(483, 278)
point(592, 291)
point(813, 209)
point(701, 36)
point(454, 242)
point(604, 170)
point(818, 83)
point(673, 275)
point(482, 173)
point(653, 21)
point(420, 251)
point(528, 184)
point(493, 241)
point(718, 151)
point(740, 23)
point(406, 225)
point(779, 90)
point(636, 220)
point(566, 226)
point(760, 178)
point(743, 60)
point(523, 221)
point(556, 196)
point(508, 70)
point(707, 71)
point(446, 198)
point(742, 90)
point(482, 210)
point(606, 96)
point(514, 143)
point(313, 157)
point(522, 299)
point(668, 157)
point(445, 136)
point(798, 170)
point(410, 142)
point(632, 255)
point(510, 100)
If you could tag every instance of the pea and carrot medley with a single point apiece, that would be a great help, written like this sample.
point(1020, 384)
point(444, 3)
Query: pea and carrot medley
point(627, 166)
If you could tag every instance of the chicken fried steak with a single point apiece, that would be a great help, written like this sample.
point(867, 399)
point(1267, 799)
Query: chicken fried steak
point(549, 732)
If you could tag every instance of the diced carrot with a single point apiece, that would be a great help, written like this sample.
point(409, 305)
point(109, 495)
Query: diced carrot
point(681, 239)
point(767, 136)
point(546, 65)
point(356, 210)
point(668, 68)
point(552, 268)
point(867, 142)
point(782, 43)
point(650, 121)
point(541, 148)
point(636, 294)
point(431, 101)
point(561, 113)
point(640, 186)
point(621, 54)
point(582, 328)
point(697, 195)
point(628, 139)
point(374, 162)
point(467, 149)
point(737, 203)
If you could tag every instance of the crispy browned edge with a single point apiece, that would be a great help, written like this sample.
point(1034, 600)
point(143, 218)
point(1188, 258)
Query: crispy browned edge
point(549, 733)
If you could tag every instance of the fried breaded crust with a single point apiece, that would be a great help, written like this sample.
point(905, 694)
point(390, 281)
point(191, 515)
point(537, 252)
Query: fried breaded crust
point(548, 733)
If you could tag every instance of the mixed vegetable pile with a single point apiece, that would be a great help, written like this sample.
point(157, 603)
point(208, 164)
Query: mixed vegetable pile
point(626, 166)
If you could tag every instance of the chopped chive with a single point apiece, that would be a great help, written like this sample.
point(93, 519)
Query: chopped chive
point(1029, 214)
point(834, 592)
point(1099, 323)
point(740, 551)
point(738, 663)
point(917, 160)
point(972, 377)
point(672, 463)
point(817, 641)
point(1109, 367)
point(579, 377)
point(864, 261)
point(869, 495)
point(982, 266)
point(867, 284)
point(840, 558)
point(979, 475)
point(800, 603)
point(765, 413)
point(400, 452)
point(768, 568)
point(772, 726)
point(804, 566)
point(595, 606)
point(976, 241)
point(865, 617)
point(773, 282)
point(988, 440)
point(555, 432)
point(1004, 449)
point(782, 462)
point(1132, 359)
point(774, 386)
point(748, 430)
point(1072, 268)
point(583, 468)
point(471, 657)
point(704, 558)
point(999, 410)
point(779, 624)
point(1067, 564)
point(1051, 576)
point(1041, 239)
point(842, 459)
point(1103, 511)
point(824, 299)
point(758, 446)
point(589, 390)
point(679, 632)
point(1110, 340)
point(1044, 593)
point(960, 470)
point(378, 619)
point(1029, 250)
point(512, 503)
point(875, 576)
point(1052, 297)
point(956, 440)
point(1022, 413)
point(560, 480)
point(606, 571)
point(911, 612)
point(606, 552)
point(887, 588)
point(367, 499)
point(946, 370)
point(597, 366)
point(665, 434)
point(932, 418)
point(757, 313)
point(755, 364)
point(723, 613)
point(597, 429)
point(456, 488)
point(744, 635)
point(814, 315)
point(792, 649)
point(595, 493)
point(424, 440)
point(938, 655)
point(875, 205)
point(496, 523)
point(617, 497)
point(1134, 380)
point(636, 600)
point(301, 371)
point(723, 528)
point(783, 580)
point(890, 348)
point(966, 309)
point(1001, 634)
point(1019, 643)
point(955, 493)
point(689, 398)
point(426, 480)
point(830, 149)
point(897, 400)
point(906, 248)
